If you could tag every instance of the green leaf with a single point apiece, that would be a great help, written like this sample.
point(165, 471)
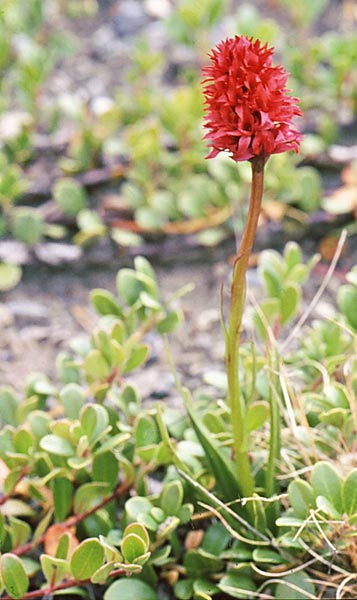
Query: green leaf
point(263, 555)
point(216, 539)
point(12, 479)
point(199, 562)
point(2, 528)
point(301, 497)
point(349, 493)
point(57, 445)
point(132, 547)
point(23, 441)
point(43, 525)
point(140, 531)
point(301, 581)
point(128, 286)
point(86, 559)
point(67, 370)
point(171, 497)
point(105, 303)
point(130, 588)
point(14, 576)
point(101, 575)
point(289, 522)
point(126, 238)
point(170, 322)
point(17, 508)
point(204, 589)
point(161, 557)
point(94, 420)
point(89, 495)
point(39, 422)
point(31, 566)
point(335, 417)
point(20, 531)
point(143, 266)
point(136, 358)
point(183, 589)
point(27, 225)
point(347, 302)
point(326, 482)
point(105, 468)
point(62, 497)
point(233, 584)
point(54, 569)
point(146, 431)
point(292, 255)
point(289, 300)
point(222, 469)
point(69, 195)
point(257, 414)
point(8, 401)
point(72, 398)
point(10, 276)
point(136, 506)
point(308, 186)
point(325, 505)
point(63, 546)
point(95, 366)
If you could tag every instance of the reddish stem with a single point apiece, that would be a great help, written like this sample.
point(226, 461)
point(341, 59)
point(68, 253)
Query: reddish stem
point(62, 586)
point(73, 521)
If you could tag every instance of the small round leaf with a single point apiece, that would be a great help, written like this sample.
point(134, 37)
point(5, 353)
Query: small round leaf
point(86, 559)
point(14, 576)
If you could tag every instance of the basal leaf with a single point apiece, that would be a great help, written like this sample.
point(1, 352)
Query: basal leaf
point(222, 469)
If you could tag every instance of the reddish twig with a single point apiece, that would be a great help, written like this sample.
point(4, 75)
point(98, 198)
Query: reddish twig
point(73, 521)
point(62, 586)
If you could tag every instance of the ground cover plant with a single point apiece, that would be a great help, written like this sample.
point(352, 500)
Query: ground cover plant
point(97, 487)
point(250, 489)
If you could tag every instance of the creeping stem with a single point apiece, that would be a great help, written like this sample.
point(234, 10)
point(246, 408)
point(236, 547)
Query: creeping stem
point(238, 292)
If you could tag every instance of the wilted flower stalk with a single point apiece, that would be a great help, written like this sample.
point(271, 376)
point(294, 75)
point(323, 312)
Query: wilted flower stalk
point(250, 116)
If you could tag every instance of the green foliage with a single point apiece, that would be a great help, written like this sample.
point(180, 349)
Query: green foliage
point(347, 298)
point(10, 276)
point(90, 471)
point(124, 484)
point(282, 277)
point(13, 575)
point(169, 187)
point(69, 195)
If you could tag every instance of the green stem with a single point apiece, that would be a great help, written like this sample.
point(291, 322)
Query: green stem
point(238, 292)
point(271, 487)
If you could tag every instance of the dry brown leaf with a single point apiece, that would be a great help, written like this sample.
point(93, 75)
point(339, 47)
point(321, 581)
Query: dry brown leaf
point(171, 576)
point(327, 247)
point(193, 539)
point(274, 210)
point(349, 174)
point(213, 219)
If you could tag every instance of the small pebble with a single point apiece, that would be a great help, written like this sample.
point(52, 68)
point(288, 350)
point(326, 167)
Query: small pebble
point(6, 317)
point(27, 309)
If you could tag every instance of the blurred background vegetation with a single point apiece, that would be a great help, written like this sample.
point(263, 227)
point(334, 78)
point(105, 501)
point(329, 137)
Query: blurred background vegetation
point(101, 124)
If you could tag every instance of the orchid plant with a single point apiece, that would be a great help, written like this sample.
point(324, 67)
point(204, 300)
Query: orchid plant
point(251, 116)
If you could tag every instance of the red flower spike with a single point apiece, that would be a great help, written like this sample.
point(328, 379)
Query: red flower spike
point(249, 112)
